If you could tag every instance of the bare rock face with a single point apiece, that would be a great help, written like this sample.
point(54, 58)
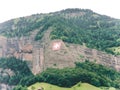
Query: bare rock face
point(58, 55)
point(3, 41)
point(20, 48)
point(23, 48)
point(5, 87)
point(4, 72)
point(27, 48)
point(46, 53)
point(65, 55)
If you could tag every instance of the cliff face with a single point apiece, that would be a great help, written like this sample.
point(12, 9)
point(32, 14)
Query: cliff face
point(68, 54)
point(5, 87)
point(3, 43)
point(52, 53)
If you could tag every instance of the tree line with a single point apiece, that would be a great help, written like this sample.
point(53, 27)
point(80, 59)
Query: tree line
point(89, 72)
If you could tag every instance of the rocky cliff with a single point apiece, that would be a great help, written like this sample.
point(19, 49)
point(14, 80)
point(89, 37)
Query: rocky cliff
point(52, 53)
point(5, 87)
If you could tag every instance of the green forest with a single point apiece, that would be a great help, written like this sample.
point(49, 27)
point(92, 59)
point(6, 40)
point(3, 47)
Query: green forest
point(85, 72)
point(79, 26)
point(19, 68)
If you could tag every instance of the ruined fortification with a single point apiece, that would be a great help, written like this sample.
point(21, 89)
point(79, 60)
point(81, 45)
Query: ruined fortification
point(53, 53)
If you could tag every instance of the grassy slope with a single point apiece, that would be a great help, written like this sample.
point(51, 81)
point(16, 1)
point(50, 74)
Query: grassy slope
point(83, 86)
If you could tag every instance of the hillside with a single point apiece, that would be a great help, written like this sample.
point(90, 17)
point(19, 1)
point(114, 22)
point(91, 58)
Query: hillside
point(79, 26)
point(12, 70)
point(80, 34)
point(76, 30)
point(87, 72)
point(83, 86)
point(59, 40)
point(71, 78)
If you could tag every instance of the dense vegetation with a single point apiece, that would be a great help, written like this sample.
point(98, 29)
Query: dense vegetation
point(89, 72)
point(78, 31)
point(21, 26)
point(79, 26)
point(19, 68)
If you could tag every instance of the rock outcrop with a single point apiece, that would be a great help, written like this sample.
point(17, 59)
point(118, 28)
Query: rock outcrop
point(5, 87)
point(53, 53)
point(68, 54)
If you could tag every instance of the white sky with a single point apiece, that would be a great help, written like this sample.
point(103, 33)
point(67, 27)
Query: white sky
point(17, 8)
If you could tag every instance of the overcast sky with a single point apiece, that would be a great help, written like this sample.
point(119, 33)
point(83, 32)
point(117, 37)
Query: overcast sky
point(17, 8)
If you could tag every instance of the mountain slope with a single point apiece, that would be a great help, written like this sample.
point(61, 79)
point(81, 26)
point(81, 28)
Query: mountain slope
point(61, 38)
point(79, 26)
point(12, 70)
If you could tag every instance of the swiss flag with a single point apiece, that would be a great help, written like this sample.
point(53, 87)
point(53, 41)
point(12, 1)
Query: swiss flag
point(56, 46)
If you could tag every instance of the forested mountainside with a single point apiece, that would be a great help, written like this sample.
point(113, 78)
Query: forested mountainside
point(95, 74)
point(12, 70)
point(58, 40)
point(79, 26)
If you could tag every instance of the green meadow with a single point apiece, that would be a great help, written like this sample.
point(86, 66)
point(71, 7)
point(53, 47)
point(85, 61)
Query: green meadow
point(79, 86)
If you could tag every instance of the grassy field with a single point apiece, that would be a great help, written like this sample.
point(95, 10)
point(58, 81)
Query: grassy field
point(79, 86)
